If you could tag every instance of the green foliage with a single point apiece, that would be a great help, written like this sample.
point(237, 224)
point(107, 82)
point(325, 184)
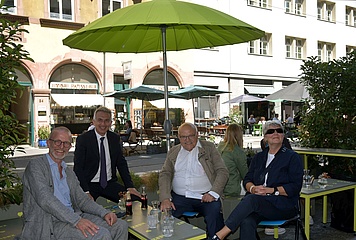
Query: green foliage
point(235, 115)
point(328, 118)
point(11, 131)
point(150, 181)
point(43, 132)
point(136, 179)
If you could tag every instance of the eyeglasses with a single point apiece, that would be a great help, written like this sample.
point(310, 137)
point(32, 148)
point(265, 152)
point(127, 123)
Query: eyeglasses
point(190, 137)
point(271, 131)
point(59, 143)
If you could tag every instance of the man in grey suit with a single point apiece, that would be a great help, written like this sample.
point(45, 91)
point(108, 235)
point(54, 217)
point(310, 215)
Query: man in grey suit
point(55, 206)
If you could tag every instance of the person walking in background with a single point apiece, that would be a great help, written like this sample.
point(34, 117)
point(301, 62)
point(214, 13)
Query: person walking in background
point(231, 150)
point(251, 121)
point(55, 206)
point(193, 178)
point(97, 155)
point(273, 181)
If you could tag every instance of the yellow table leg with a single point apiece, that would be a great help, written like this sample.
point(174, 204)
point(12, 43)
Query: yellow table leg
point(325, 208)
point(275, 232)
point(305, 161)
point(307, 217)
point(354, 210)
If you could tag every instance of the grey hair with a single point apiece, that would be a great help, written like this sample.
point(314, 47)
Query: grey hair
point(269, 123)
point(189, 124)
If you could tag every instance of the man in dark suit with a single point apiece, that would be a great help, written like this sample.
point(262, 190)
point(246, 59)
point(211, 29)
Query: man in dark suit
point(97, 155)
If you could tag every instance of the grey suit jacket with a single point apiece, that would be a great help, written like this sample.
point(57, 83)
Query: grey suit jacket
point(41, 207)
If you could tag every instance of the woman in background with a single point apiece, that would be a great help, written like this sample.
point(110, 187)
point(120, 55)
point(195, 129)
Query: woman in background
point(231, 150)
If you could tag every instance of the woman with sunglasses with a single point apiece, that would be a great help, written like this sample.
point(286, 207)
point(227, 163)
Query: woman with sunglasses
point(273, 184)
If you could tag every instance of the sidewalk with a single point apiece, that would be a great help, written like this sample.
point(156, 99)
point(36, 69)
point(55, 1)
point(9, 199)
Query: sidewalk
point(249, 141)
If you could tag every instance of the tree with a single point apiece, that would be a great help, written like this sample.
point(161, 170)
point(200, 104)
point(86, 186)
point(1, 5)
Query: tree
point(328, 118)
point(11, 131)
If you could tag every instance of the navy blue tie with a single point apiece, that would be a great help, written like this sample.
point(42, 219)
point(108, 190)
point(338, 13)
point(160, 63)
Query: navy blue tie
point(103, 176)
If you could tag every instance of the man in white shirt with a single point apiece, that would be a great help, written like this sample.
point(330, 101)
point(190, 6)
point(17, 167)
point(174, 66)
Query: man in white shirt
point(193, 178)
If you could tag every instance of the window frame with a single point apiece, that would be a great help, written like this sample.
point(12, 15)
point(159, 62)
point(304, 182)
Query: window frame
point(10, 10)
point(111, 6)
point(326, 11)
point(61, 15)
point(295, 47)
point(326, 51)
point(261, 46)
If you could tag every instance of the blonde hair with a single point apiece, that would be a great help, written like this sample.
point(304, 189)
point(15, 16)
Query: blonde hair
point(233, 136)
point(102, 109)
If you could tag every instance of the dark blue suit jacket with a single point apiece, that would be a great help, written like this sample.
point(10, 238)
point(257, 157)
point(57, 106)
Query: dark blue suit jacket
point(87, 159)
point(285, 170)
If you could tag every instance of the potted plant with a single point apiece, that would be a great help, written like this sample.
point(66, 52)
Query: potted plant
point(43, 135)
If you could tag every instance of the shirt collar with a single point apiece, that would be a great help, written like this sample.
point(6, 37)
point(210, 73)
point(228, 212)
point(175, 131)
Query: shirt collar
point(51, 162)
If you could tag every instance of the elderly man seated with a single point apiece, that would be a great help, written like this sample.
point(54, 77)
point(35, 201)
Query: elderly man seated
point(193, 178)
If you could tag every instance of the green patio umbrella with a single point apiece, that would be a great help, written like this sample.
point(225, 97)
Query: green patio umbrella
point(142, 93)
point(161, 25)
point(192, 92)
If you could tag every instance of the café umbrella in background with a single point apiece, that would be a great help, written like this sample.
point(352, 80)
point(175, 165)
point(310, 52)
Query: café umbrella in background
point(192, 92)
point(141, 93)
point(294, 93)
point(162, 25)
point(245, 98)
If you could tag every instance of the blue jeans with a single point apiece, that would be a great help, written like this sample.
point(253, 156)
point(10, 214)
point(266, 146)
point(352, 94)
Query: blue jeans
point(211, 211)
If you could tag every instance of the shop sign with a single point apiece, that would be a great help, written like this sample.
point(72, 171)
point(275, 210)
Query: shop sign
point(67, 85)
point(127, 70)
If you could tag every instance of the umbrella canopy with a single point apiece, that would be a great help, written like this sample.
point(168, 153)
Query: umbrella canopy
point(191, 92)
point(138, 29)
point(295, 92)
point(141, 92)
point(245, 98)
point(162, 25)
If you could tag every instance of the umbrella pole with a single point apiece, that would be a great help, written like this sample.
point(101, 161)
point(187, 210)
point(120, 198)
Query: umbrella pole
point(193, 111)
point(167, 123)
point(142, 116)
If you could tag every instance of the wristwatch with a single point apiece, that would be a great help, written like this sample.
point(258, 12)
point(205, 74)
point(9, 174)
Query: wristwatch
point(276, 192)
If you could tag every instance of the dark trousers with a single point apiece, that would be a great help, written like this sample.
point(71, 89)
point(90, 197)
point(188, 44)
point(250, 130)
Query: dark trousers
point(250, 211)
point(211, 212)
point(111, 191)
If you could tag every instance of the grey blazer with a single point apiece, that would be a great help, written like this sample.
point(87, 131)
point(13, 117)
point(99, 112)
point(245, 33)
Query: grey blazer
point(41, 207)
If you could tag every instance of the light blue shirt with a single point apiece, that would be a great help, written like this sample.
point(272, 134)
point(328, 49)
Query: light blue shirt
point(61, 189)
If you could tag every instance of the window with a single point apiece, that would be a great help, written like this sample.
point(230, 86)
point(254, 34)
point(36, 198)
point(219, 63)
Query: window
point(294, 7)
point(326, 11)
point(350, 16)
point(259, 3)
point(261, 46)
point(61, 9)
point(350, 49)
point(9, 7)
point(295, 47)
point(326, 51)
point(109, 6)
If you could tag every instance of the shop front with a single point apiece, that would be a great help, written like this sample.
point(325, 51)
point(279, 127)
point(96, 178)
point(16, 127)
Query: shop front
point(74, 97)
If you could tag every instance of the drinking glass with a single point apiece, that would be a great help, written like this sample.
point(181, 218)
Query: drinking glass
point(152, 221)
point(167, 226)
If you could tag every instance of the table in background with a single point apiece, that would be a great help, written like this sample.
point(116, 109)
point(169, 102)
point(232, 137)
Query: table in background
point(139, 228)
point(324, 151)
point(333, 186)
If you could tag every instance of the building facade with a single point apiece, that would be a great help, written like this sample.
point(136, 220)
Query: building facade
point(64, 86)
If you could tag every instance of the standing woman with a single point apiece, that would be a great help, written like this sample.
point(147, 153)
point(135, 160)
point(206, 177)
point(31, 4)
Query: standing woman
point(273, 181)
point(231, 150)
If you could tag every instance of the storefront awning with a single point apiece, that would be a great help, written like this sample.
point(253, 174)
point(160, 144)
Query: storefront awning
point(67, 100)
point(260, 90)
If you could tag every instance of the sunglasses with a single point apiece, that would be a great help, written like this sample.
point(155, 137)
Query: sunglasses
point(271, 131)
